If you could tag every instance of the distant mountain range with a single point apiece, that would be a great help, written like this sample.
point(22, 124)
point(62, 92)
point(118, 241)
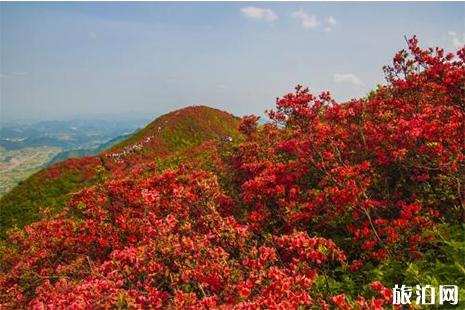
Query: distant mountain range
point(68, 135)
point(76, 153)
point(25, 148)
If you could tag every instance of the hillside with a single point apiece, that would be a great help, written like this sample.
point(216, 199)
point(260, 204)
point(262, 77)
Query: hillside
point(168, 135)
point(326, 206)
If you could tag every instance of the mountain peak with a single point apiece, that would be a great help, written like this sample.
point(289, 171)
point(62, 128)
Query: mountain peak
point(178, 130)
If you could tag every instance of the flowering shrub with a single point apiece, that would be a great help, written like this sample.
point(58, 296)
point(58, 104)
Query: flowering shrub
point(160, 242)
point(381, 169)
point(285, 219)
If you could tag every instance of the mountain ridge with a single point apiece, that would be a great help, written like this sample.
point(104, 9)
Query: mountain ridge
point(168, 135)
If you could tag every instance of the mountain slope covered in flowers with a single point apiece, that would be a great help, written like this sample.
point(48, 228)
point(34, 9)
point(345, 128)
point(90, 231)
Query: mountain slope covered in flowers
point(326, 206)
point(170, 135)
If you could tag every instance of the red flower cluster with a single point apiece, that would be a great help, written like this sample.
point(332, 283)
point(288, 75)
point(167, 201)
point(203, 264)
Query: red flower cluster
point(375, 168)
point(323, 185)
point(158, 242)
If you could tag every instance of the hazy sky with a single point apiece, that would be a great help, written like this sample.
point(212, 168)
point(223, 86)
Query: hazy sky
point(62, 59)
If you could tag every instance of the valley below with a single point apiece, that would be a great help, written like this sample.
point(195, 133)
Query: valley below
point(17, 165)
point(27, 148)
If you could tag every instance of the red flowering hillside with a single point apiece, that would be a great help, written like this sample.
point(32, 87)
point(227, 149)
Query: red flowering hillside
point(327, 206)
point(170, 135)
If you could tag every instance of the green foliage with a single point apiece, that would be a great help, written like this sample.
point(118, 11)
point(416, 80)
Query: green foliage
point(442, 264)
point(24, 203)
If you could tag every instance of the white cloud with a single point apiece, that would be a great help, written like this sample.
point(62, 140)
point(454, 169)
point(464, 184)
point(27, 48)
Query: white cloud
point(307, 21)
point(259, 13)
point(92, 35)
point(331, 21)
point(347, 78)
point(456, 40)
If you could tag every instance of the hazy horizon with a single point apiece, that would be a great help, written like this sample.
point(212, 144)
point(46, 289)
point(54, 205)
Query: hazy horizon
point(122, 116)
point(63, 59)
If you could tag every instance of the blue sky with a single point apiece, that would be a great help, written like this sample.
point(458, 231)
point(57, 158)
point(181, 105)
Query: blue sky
point(63, 59)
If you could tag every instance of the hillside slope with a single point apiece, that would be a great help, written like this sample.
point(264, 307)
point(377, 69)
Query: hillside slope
point(169, 135)
point(326, 206)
